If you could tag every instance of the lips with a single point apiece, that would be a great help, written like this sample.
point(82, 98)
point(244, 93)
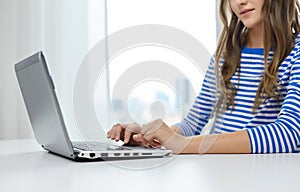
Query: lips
point(245, 11)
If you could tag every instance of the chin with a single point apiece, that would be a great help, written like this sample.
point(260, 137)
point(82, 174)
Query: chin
point(251, 25)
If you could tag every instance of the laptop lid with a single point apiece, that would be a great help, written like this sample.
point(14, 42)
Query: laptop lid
point(45, 115)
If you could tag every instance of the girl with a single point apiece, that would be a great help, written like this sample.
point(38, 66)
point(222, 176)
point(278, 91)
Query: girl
point(259, 60)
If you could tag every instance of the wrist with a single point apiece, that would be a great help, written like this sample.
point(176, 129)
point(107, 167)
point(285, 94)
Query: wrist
point(178, 143)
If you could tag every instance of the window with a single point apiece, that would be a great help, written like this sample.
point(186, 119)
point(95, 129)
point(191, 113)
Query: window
point(170, 96)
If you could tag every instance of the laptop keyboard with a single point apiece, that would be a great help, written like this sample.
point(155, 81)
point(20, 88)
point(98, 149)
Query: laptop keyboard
point(97, 146)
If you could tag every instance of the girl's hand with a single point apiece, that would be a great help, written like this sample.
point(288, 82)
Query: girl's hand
point(128, 133)
point(157, 132)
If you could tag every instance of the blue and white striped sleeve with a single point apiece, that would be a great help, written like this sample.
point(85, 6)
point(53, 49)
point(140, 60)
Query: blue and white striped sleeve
point(201, 110)
point(284, 134)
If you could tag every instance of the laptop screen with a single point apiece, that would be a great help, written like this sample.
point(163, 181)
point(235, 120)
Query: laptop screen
point(42, 105)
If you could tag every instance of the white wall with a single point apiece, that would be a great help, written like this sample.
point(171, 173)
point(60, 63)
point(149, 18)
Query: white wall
point(8, 53)
point(64, 30)
point(12, 110)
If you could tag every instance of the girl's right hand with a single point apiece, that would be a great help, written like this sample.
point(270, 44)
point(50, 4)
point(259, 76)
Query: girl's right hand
point(130, 134)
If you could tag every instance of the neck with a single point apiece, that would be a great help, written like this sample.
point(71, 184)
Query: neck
point(255, 37)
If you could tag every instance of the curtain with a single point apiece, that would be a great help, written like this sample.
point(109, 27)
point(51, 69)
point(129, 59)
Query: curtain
point(65, 31)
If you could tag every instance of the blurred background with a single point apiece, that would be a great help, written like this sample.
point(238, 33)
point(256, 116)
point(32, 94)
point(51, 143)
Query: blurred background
point(66, 30)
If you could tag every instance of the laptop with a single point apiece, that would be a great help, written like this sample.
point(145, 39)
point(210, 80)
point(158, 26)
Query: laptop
point(48, 124)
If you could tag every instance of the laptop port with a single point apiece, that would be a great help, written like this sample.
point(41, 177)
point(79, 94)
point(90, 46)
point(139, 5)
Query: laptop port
point(117, 154)
point(92, 155)
point(146, 153)
point(135, 154)
point(126, 154)
point(104, 154)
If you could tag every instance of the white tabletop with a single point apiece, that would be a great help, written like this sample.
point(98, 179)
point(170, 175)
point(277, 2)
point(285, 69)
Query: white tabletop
point(24, 166)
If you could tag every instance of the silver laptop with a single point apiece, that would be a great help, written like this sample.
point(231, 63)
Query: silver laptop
point(47, 121)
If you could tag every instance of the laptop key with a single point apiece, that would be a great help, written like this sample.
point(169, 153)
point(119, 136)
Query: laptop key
point(95, 146)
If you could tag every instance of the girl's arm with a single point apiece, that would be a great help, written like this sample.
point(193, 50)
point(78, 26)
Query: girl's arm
point(236, 142)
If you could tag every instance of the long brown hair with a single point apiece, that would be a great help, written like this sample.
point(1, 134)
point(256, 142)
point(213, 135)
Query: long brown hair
point(281, 27)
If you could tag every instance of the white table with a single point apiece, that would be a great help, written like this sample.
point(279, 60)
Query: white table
point(24, 166)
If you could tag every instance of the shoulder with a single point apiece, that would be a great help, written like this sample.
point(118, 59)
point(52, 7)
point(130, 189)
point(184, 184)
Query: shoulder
point(296, 48)
point(295, 53)
point(293, 60)
point(297, 39)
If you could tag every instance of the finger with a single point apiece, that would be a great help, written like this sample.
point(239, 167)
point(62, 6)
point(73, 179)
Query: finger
point(114, 133)
point(157, 143)
point(140, 139)
point(108, 134)
point(127, 136)
point(148, 137)
point(111, 132)
point(118, 131)
point(154, 143)
point(152, 139)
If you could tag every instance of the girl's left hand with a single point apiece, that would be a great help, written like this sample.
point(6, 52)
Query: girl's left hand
point(158, 132)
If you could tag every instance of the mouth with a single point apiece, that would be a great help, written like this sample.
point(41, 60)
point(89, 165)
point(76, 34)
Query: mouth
point(245, 11)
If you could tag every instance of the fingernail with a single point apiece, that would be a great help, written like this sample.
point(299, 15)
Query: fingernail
point(125, 140)
point(134, 137)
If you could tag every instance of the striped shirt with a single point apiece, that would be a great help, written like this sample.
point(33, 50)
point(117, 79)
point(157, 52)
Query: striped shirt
point(275, 126)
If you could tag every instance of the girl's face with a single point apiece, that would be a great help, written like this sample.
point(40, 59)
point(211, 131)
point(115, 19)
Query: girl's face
point(248, 11)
